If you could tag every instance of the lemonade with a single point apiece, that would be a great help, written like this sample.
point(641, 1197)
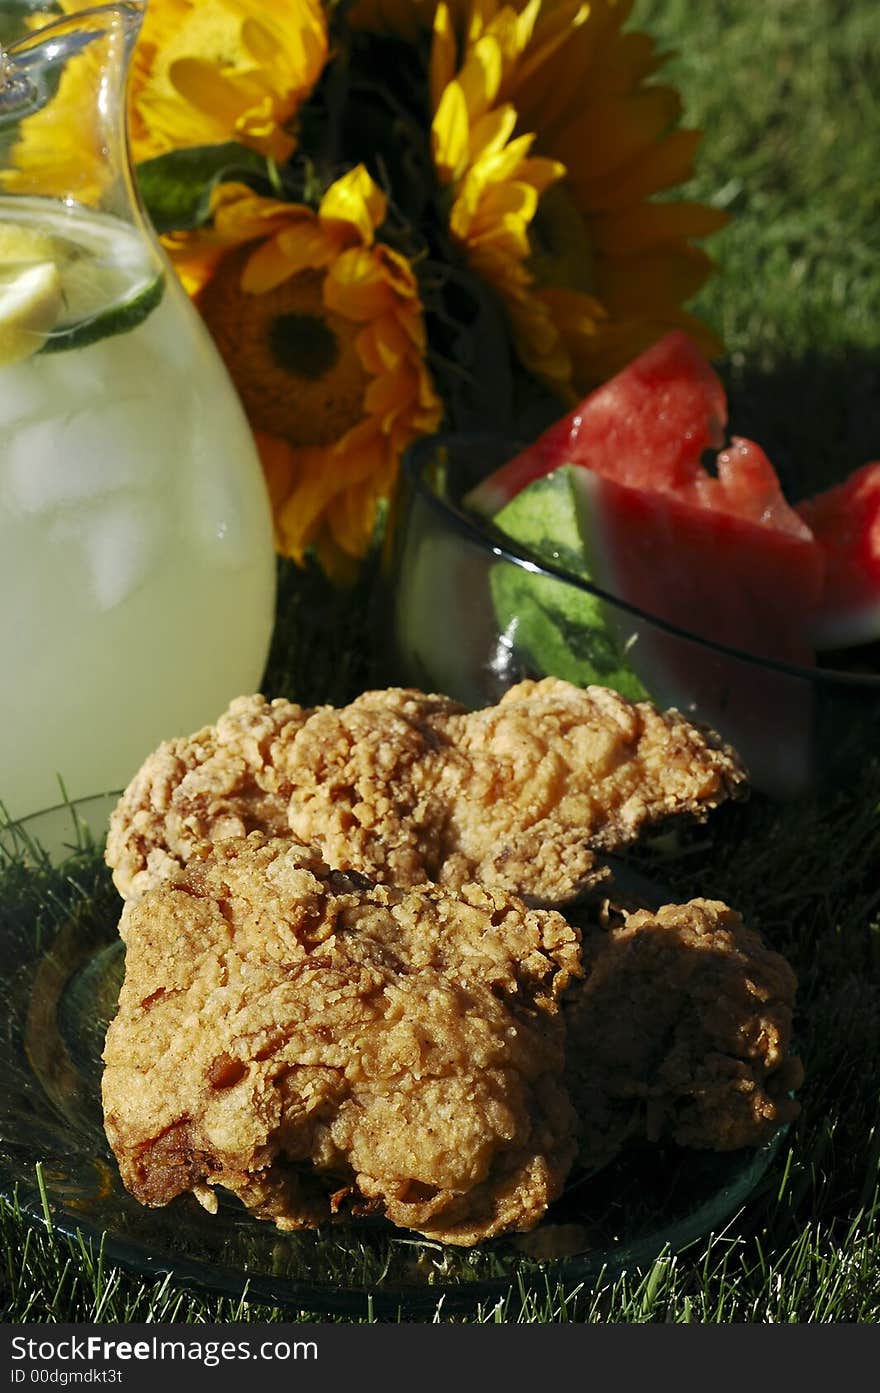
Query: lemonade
point(136, 560)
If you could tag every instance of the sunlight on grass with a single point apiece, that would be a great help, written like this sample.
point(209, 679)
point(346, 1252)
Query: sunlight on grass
point(786, 94)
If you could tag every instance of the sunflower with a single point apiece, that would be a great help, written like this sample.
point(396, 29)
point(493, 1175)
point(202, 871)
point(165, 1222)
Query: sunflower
point(215, 70)
point(204, 72)
point(322, 330)
point(551, 142)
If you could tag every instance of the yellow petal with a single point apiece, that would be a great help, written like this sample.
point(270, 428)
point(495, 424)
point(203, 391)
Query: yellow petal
point(552, 89)
point(503, 217)
point(491, 133)
point(443, 55)
point(356, 201)
point(300, 516)
point(397, 272)
point(540, 173)
point(390, 394)
point(293, 54)
point(202, 85)
point(279, 466)
point(281, 257)
point(193, 261)
point(160, 117)
point(480, 76)
point(482, 12)
point(556, 27)
point(383, 344)
point(357, 287)
point(503, 164)
point(450, 131)
point(526, 21)
point(239, 215)
point(351, 514)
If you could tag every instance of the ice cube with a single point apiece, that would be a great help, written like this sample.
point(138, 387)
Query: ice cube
point(119, 541)
point(37, 388)
point(73, 457)
point(22, 394)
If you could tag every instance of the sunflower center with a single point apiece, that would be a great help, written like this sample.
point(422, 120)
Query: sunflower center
point(303, 344)
point(294, 361)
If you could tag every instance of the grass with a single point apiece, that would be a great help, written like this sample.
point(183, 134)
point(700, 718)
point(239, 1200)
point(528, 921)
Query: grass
point(786, 95)
point(814, 1279)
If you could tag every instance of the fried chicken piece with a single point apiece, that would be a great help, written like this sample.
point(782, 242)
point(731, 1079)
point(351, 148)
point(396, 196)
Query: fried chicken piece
point(220, 782)
point(681, 1029)
point(323, 1048)
point(408, 788)
point(556, 773)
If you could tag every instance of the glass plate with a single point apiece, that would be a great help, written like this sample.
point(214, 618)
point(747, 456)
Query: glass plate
point(62, 964)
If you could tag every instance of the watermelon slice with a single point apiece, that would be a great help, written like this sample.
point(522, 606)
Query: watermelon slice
point(647, 427)
point(845, 521)
point(708, 558)
point(722, 555)
point(718, 554)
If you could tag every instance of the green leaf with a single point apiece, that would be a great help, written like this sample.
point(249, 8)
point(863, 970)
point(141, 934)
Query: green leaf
point(176, 187)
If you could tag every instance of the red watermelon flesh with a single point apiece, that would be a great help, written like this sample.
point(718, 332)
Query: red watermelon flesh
point(648, 426)
point(723, 575)
point(763, 712)
point(845, 521)
point(747, 487)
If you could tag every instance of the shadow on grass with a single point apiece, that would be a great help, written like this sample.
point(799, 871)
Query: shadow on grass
point(817, 417)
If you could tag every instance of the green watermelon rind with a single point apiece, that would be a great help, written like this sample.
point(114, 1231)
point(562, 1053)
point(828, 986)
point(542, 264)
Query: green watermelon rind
point(564, 631)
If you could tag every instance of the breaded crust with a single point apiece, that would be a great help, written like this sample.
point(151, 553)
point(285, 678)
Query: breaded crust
point(406, 788)
point(220, 782)
point(323, 1048)
point(680, 1029)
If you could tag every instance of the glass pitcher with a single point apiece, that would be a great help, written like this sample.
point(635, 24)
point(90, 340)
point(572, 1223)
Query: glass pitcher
point(137, 567)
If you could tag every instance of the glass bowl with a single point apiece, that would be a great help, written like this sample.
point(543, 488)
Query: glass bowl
point(466, 611)
point(61, 965)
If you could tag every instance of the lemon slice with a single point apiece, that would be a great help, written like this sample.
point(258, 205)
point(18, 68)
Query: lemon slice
point(20, 243)
point(68, 279)
point(90, 315)
point(31, 299)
